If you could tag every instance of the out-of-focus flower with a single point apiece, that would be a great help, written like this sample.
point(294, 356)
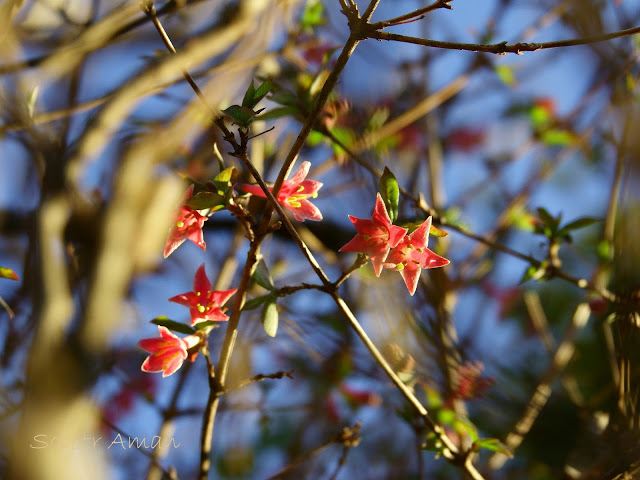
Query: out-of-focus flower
point(470, 383)
point(167, 352)
point(465, 139)
point(203, 302)
point(294, 193)
point(376, 236)
point(411, 255)
point(188, 225)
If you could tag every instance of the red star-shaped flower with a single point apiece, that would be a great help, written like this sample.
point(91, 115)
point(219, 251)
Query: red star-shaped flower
point(203, 302)
point(411, 255)
point(294, 193)
point(167, 352)
point(376, 236)
point(188, 225)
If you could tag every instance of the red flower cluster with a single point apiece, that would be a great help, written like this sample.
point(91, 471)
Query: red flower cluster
point(390, 246)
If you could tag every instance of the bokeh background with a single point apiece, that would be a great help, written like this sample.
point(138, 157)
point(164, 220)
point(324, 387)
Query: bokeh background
point(99, 130)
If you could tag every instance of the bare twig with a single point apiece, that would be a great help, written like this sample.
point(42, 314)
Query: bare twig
point(502, 47)
point(412, 16)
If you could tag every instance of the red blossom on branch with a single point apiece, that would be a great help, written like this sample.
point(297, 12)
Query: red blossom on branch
point(376, 236)
point(203, 302)
point(411, 255)
point(188, 225)
point(167, 352)
point(294, 193)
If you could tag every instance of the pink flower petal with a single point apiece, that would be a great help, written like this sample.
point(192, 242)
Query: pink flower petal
point(200, 282)
point(254, 190)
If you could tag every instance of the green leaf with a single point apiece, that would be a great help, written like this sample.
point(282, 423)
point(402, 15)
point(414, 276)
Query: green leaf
point(534, 273)
point(313, 15)
point(469, 427)
point(494, 445)
point(604, 250)
point(577, 224)
point(8, 273)
point(557, 138)
point(241, 115)
point(206, 324)
point(390, 193)
point(205, 200)
point(257, 301)
point(505, 73)
point(261, 92)
point(436, 232)
point(549, 221)
point(222, 181)
point(285, 97)
point(263, 277)
point(278, 112)
point(248, 96)
point(269, 318)
point(540, 117)
point(446, 416)
point(173, 325)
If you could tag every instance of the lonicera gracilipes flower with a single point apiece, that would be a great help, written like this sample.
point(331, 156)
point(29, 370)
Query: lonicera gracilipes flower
point(376, 236)
point(203, 302)
point(294, 193)
point(411, 255)
point(167, 352)
point(188, 225)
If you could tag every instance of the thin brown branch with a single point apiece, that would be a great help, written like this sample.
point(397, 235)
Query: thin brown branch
point(412, 16)
point(502, 47)
point(259, 378)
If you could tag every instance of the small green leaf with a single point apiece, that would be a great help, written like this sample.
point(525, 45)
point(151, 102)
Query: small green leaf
point(534, 273)
point(278, 112)
point(269, 318)
point(549, 221)
point(263, 277)
point(557, 138)
point(577, 224)
point(222, 181)
point(436, 232)
point(469, 427)
point(494, 445)
point(434, 400)
point(256, 302)
point(247, 100)
point(285, 97)
point(604, 250)
point(313, 15)
point(540, 117)
point(8, 273)
point(205, 200)
point(206, 324)
point(173, 325)
point(390, 193)
point(261, 92)
point(241, 115)
point(505, 73)
point(446, 416)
